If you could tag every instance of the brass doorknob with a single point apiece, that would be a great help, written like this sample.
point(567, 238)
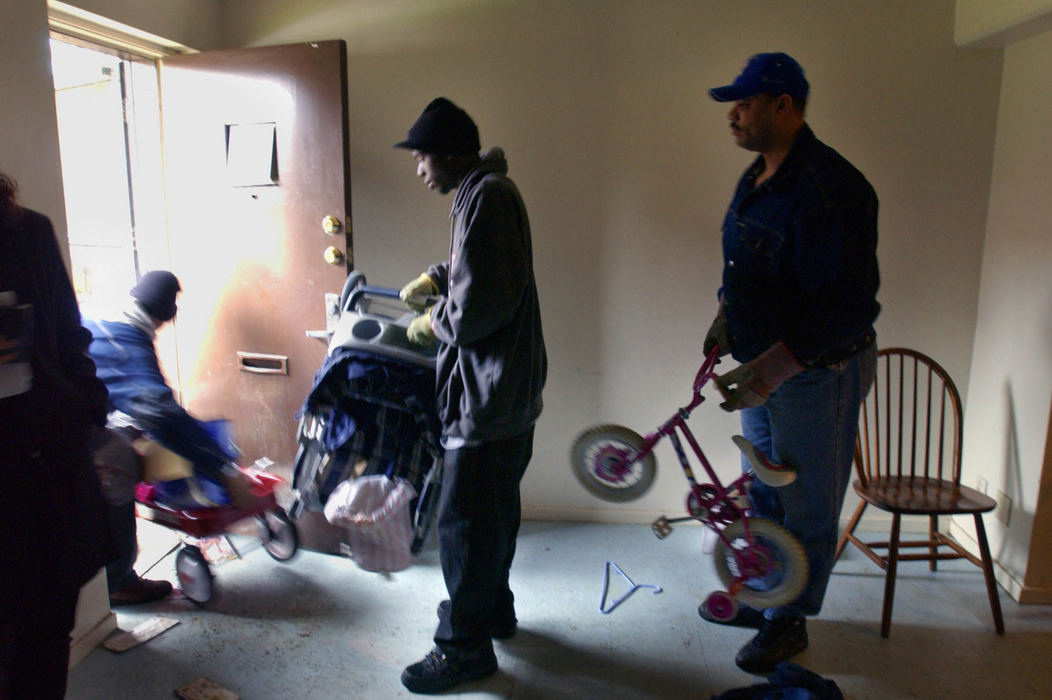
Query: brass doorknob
point(331, 225)
point(333, 255)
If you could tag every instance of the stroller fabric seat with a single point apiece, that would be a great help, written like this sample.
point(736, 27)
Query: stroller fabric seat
point(374, 409)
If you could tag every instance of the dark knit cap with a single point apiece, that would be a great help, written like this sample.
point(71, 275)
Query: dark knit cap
point(156, 292)
point(443, 129)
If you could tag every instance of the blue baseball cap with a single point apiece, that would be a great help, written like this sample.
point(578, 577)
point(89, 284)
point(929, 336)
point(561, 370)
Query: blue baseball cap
point(772, 73)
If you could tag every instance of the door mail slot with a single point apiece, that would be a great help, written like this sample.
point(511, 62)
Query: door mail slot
point(262, 364)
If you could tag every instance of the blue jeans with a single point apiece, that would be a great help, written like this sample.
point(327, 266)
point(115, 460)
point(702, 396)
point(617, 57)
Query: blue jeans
point(810, 423)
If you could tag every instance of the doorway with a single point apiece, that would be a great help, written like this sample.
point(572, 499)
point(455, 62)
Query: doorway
point(248, 206)
point(110, 144)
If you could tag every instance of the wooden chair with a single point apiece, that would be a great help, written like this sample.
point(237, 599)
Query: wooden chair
point(908, 462)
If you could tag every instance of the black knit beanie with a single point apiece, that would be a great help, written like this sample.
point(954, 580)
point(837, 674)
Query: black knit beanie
point(443, 129)
point(156, 292)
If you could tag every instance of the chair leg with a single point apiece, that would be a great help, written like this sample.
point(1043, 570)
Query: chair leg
point(933, 533)
point(988, 572)
point(849, 530)
point(889, 580)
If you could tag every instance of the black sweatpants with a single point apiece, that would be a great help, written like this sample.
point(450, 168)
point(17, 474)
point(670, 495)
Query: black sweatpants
point(478, 521)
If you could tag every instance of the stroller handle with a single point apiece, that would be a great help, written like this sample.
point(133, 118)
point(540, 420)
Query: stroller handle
point(352, 299)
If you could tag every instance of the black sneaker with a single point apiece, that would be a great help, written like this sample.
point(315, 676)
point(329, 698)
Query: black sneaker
point(777, 640)
point(438, 672)
point(503, 628)
point(746, 617)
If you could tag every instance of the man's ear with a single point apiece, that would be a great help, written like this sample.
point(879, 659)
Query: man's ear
point(783, 104)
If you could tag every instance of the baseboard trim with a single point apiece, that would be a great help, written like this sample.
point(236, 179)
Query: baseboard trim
point(619, 516)
point(1020, 592)
point(90, 639)
point(871, 522)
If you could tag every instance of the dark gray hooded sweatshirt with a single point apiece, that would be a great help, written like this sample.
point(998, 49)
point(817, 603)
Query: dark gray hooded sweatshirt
point(491, 363)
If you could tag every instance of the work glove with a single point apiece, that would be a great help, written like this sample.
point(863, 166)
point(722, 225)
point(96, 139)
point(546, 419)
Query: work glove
point(750, 384)
point(416, 292)
point(719, 334)
point(419, 331)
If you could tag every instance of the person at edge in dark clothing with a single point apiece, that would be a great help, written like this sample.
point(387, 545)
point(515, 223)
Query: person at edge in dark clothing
point(796, 310)
point(491, 368)
point(55, 535)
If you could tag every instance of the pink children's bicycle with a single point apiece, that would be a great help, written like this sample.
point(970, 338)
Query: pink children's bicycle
point(760, 562)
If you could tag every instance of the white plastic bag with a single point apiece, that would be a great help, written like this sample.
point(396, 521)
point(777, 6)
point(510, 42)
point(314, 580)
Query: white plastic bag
point(375, 511)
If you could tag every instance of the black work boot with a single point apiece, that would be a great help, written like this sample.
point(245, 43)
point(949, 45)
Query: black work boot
point(437, 671)
point(139, 591)
point(778, 639)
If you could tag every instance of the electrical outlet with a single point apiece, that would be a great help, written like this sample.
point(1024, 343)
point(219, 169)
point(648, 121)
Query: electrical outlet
point(1003, 511)
point(980, 485)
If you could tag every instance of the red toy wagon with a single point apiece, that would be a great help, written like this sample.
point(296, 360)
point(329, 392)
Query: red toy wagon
point(276, 531)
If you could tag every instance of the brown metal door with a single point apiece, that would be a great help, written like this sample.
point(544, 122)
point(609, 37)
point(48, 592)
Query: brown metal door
point(255, 160)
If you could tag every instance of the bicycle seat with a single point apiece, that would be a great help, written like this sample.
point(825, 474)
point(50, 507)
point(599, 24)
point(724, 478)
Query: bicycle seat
point(766, 471)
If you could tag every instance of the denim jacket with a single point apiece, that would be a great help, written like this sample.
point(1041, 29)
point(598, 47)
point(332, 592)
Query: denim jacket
point(800, 257)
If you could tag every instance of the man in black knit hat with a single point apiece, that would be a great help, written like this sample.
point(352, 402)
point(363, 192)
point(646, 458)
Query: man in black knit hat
point(491, 367)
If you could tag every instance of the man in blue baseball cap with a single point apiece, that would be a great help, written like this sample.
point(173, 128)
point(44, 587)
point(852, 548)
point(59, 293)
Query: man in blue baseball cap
point(796, 310)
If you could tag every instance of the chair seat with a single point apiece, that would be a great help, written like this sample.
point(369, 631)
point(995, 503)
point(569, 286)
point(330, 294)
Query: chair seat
point(923, 496)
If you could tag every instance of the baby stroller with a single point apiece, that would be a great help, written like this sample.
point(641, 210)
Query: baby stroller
point(372, 409)
point(179, 505)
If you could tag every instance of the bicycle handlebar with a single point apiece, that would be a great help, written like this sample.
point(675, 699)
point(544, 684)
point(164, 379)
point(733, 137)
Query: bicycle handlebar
point(705, 373)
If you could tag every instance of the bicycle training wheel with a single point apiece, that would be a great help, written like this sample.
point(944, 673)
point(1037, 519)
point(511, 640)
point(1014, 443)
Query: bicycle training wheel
point(770, 564)
point(598, 461)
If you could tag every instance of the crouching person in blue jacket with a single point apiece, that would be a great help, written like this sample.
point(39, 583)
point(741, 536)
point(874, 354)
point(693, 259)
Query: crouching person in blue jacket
point(141, 402)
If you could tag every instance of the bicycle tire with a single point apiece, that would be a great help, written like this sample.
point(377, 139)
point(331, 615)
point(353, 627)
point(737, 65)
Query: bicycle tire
point(783, 584)
point(594, 457)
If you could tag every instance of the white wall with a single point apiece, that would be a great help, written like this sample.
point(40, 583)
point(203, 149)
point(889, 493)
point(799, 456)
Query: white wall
point(997, 24)
point(626, 167)
point(192, 23)
point(28, 126)
point(1007, 413)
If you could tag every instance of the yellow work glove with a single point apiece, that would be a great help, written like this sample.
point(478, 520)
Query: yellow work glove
point(419, 331)
point(751, 384)
point(416, 292)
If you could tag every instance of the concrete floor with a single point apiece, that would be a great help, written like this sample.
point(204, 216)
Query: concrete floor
point(319, 627)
